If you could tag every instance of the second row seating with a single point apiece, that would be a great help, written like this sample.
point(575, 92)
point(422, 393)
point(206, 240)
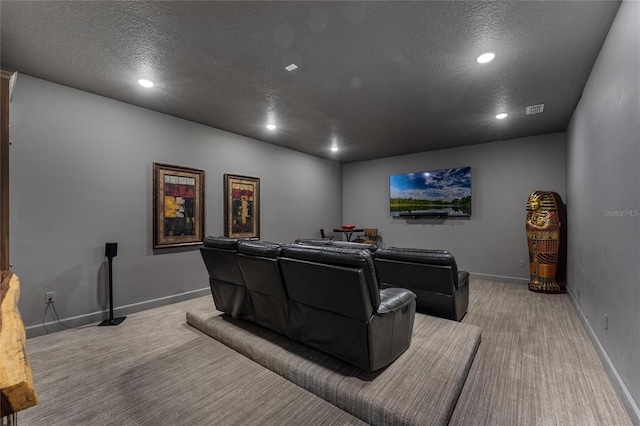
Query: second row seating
point(432, 275)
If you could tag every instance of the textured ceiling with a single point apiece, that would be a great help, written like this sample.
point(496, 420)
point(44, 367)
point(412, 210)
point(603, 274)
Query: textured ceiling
point(375, 78)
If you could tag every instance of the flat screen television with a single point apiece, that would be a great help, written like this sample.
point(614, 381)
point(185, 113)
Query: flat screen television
point(445, 192)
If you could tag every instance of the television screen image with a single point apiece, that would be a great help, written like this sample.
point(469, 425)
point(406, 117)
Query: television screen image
point(431, 193)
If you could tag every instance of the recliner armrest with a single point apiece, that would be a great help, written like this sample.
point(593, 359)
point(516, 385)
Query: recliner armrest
point(463, 279)
point(392, 299)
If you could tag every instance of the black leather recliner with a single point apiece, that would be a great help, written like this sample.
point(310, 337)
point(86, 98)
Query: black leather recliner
point(225, 278)
point(259, 266)
point(337, 307)
point(432, 275)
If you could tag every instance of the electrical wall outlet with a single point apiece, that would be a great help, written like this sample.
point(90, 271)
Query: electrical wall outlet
point(522, 263)
point(51, 297)
point(606, 321)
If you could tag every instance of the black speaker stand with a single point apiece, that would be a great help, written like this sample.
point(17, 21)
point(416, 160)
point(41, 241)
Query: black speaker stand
point(111, 320)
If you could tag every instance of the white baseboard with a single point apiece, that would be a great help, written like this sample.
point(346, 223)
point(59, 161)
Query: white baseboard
point(618, 383)
point(118, 311)
point(499, 278)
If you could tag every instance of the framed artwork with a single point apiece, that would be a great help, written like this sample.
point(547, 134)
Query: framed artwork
point(178, 206)
point(241, 206)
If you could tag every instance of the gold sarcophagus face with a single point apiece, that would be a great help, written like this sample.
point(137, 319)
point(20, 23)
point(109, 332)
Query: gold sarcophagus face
point(546, 237)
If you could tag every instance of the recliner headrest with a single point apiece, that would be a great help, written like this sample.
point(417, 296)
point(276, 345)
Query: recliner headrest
point(334, 243)
point(353, 244)
point(221, 243)
point(260, 248)
point(313, 242)
point(427, 256)
point(332, 255)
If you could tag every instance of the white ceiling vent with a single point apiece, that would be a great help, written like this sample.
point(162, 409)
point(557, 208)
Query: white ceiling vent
point(535, 109)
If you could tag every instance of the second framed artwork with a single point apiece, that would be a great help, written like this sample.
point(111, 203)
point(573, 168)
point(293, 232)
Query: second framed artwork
point(178, 206)
point(241, 206)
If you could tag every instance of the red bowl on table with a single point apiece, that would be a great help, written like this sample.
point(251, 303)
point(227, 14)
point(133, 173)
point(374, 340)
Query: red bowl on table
point(347, 227)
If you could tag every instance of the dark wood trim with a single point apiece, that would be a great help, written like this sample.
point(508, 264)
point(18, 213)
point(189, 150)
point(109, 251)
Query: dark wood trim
point(6, 84)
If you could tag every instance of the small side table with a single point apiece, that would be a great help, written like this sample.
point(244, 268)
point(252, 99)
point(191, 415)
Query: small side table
point(348, 232)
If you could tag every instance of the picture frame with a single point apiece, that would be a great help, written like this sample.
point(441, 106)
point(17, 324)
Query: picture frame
point(178, 206)
point(241, 206)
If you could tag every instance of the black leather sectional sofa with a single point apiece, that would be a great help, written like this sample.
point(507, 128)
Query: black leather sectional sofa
point(441, 289)
point(324, 296)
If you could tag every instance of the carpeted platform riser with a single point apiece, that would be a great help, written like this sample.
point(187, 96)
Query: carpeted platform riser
point(421, 387)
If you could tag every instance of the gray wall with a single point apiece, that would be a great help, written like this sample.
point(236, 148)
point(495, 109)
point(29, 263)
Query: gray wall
point(81, 175)
point(603, 186)
point(492, 242)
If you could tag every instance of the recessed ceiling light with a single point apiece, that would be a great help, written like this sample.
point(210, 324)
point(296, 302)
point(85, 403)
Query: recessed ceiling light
point(291, 67)
point(502, 115)
point(145, 83)
point(334, 148)
point(271, 126)
point(486, 57)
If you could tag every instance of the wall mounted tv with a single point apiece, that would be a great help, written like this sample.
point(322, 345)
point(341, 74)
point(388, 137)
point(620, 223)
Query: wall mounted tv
point(439, 193)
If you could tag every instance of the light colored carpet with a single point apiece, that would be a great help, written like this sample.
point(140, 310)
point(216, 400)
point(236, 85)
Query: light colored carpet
point(154, 370)
point(420, 388)
point(536, 364)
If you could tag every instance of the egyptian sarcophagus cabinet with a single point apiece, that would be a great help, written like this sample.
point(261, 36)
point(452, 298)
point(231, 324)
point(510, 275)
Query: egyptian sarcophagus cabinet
point(546, 237)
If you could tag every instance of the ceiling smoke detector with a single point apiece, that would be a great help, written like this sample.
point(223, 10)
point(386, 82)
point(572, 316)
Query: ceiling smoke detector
point(535, 109)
